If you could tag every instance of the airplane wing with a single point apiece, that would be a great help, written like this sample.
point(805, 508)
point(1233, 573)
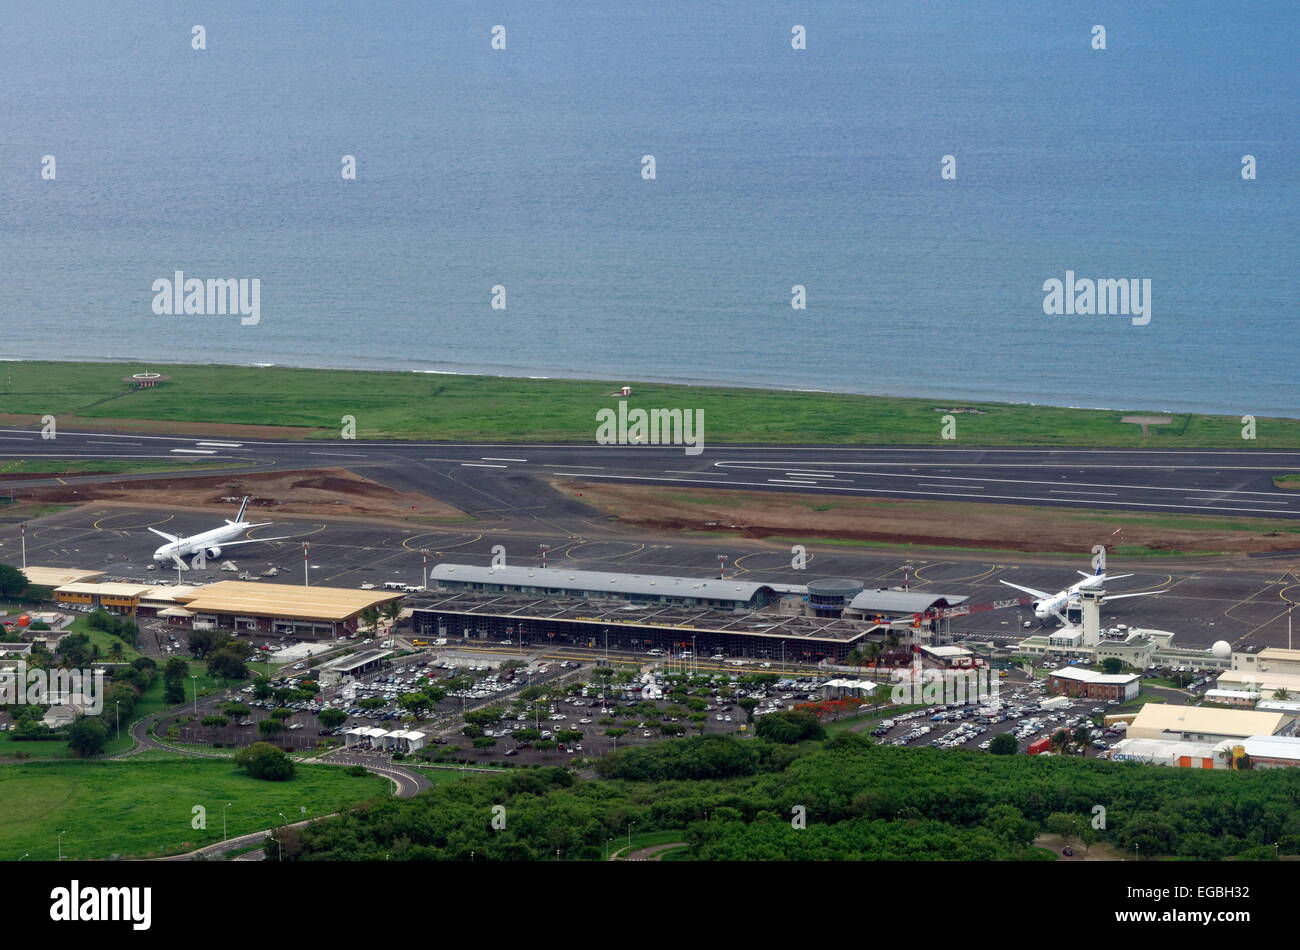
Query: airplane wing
point(1145, 593)
point(1028, 590)
point(230, 544)
point(163, 534)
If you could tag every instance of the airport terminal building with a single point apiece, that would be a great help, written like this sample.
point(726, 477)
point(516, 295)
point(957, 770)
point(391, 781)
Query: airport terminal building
point(592, 585)
point(279, 609)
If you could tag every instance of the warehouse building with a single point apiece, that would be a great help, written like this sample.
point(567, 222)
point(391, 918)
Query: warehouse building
point(52, 577)
point(1272, 752)
point(1268, 684)
point(1171, 752)
point(1205, 723)
point(1073, 681)
point(636, 588)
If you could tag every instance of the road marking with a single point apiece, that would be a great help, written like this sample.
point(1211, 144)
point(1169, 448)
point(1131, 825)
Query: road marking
point(194, 451)
point(1239, 501)
point(488, 458)
point(95, 442)
point(222, 445)
point(976, 487)
point(16, 438)
point(1071, 491)
point(480, 465)
point(903, 491)
point(809, 475)
point(790, 481)
point(342, 455)
point(756, 468)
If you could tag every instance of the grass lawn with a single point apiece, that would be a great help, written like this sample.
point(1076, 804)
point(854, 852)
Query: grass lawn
point(48, 466)
point(1287, 481)
point(144, 808)
point(485, 408)
point(647, 839)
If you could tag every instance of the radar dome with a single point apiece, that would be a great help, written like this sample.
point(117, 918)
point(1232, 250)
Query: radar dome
point(1222, 649)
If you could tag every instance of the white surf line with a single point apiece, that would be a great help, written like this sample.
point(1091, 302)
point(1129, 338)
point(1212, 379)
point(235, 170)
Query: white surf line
point(824, 486)
point(1067, 491)
point(488, 458)
point(480, 465)
point(194, 451)
point(752, 467)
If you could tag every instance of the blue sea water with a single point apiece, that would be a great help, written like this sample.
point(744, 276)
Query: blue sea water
point(775, 167)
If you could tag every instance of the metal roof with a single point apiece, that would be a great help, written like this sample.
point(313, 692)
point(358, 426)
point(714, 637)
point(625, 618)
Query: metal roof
point(591, 581)
point(904, 601)
point(1272, 747)
point(282, 601)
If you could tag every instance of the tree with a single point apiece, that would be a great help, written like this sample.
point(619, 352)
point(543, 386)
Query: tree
point(483, 743)
point(368, 619)
point(115, 651)
point(789, 727)
point(13, 582)
point(87, 736)
point(1068, 826)
point(615, 734)
point(215, 722)
point(263, 760)
point(1112, 665)
point(332, 718)
point(749, 704)
point(1004, 744)
point(269, 727)
point(227, 664)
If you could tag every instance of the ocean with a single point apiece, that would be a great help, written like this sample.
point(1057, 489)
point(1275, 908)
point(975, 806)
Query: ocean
point(522, 168)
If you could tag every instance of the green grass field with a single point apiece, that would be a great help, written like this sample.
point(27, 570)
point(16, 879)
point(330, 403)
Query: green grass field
point(143, 808)
point(486, 408)
point(49, 466)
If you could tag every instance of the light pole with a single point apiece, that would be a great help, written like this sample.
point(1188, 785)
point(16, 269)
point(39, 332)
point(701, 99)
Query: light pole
point(61, 834)
point(194, 681)
point(223, 821)
point(117, 716)
point(629, 833)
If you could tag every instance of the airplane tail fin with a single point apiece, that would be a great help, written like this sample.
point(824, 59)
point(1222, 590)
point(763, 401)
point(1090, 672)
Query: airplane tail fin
point(239, 517)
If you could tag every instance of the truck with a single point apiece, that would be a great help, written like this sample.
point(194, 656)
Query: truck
point(1040, 745)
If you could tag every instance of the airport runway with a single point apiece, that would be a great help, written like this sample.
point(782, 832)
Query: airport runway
point(1205, 601)
point(485, 478)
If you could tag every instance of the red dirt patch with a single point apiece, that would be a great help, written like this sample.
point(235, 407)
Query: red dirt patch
point(333, 492)
point(921, 523)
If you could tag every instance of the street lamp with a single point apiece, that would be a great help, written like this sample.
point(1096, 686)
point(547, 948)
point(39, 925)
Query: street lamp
point(223, 820)
point(61, 834)
point(629, 833)
point(194, 680)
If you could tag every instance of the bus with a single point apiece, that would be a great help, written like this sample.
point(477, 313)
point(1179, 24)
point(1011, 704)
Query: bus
point(419, 643)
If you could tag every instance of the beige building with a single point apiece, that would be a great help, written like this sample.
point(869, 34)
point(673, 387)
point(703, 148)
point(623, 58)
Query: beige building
point(1205, 723)
point(1267, 683)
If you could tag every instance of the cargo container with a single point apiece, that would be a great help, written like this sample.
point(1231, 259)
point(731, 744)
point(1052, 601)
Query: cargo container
point(1040, 745)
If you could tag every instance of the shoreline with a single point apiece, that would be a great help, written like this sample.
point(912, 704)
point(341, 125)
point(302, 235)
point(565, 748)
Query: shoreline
point(562, 376)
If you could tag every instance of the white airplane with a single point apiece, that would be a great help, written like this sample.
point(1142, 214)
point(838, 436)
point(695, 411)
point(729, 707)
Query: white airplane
point(1054, 605)
point(209, 543)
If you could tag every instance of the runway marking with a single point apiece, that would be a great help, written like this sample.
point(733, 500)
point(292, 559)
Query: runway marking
point(976, 487)
point(809, 475)
point(790, 481)
point(1239, 501)
point(222, 445)
point(755, 467)
point(480, 465)
point(1071, 491)
point(904, 491)
point(342, 455)
point(195, 451)
point(488, 458)
point(17, 438)
point(93, 442)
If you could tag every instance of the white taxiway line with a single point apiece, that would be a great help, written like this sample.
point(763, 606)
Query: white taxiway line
point(488, 458)
point(195, 451)
point(342, 455)
point(824, 486)
point(480, 465)
point(222, 445)
point(1070, 491)
point(789, 481)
